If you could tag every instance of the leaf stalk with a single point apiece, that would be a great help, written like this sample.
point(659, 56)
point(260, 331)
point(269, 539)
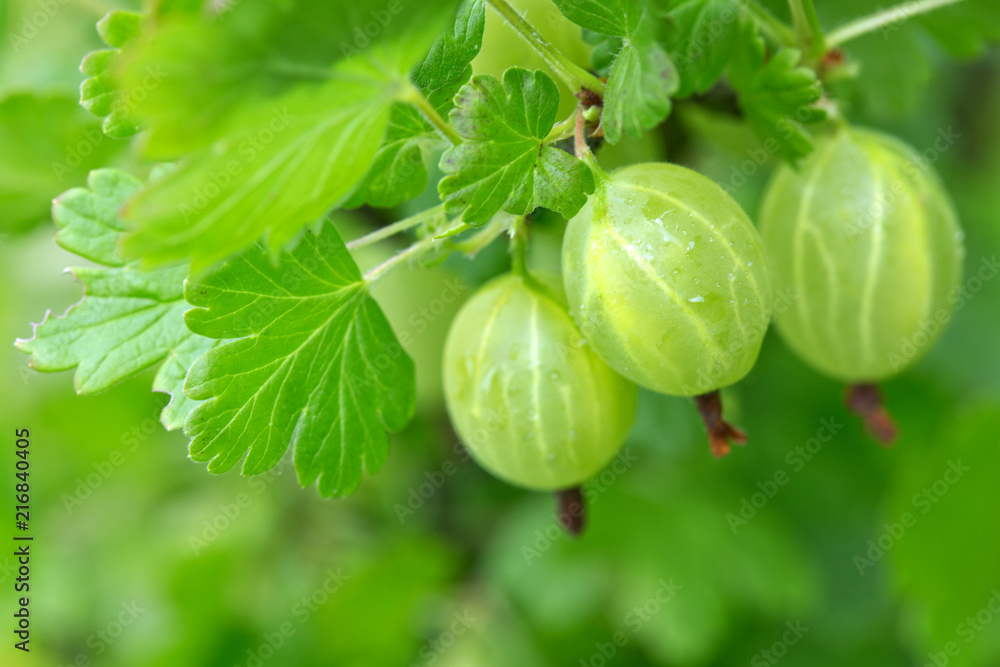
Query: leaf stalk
point(572, 74)
point(414, 96)
point(772, 27)
point(886, 17)
point(808, 31)
point(415, 250)
point(396, 228)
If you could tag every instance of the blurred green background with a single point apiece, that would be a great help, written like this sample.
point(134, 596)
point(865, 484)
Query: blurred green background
point(141, 558)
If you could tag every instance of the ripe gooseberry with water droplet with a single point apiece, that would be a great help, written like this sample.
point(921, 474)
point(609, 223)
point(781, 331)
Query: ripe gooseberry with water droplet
point(667, 278)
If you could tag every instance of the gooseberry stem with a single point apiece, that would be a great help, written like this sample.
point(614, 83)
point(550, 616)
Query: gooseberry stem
point(865, 401)
point(807, 28)
point(415, 250)
point(890, 16)
point(572, 511)
point(414, 96)
point(518, 248)
point(395, 228)
point(485, 236)
point(773, 27)
point(582, 150)
point(572, 74)
point(720, 433)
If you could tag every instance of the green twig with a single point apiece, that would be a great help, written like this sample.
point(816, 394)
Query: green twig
point(419, 100)
point(808, 31)
point(582, 150)
point(485, 236)
point(818, 38)
point(773, 28)
point(415, 250)
point(572, 74)
point(395, 228)
point(519, 248)
point(893, 15)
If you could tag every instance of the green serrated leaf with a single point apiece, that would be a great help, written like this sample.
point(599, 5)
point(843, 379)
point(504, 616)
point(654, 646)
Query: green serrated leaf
point(170, 378)
point(641, 77)
point(700, 37)
point(47, 144)
point(776, 95)
point(608, 17)
point(315, 366)
point(286, 130)
point(213, 69)
point(128, 319)
point(101, 93)
point(284, 168)
point(88, 217)
point(399, 171)
point(505, 164)
point(451, 54)
point(640, 85)
point(117, 28)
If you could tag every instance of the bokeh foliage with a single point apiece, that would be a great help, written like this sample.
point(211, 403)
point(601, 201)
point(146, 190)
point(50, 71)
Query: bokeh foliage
point(122, 518)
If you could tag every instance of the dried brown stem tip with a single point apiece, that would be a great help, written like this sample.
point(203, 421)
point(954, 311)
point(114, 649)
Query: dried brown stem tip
point(865, 400)
point(571, 510)
point(720, 433)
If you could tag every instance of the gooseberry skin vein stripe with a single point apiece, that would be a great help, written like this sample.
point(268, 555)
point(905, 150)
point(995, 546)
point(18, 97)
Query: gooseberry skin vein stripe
point(708, 225)
point(799, 239)
point(833, 302)
point(536, 384)
point(875, 249)
point(477, 406)
point(626, 343)
point(918, 236)
point(667, 289)
point(595, 287)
